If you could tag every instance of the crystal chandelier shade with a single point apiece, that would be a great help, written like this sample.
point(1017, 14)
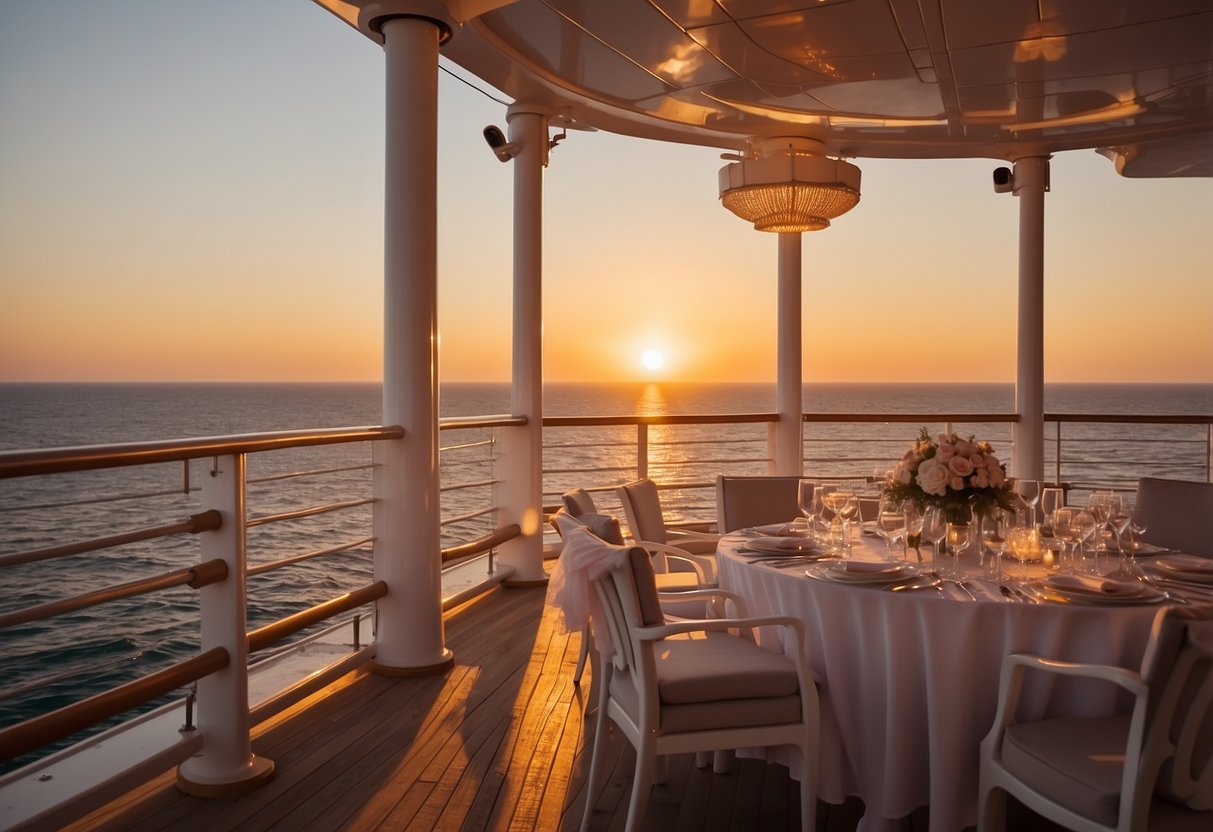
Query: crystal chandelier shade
point(789, 189)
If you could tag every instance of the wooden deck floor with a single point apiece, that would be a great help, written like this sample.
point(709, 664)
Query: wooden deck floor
point(499, 742)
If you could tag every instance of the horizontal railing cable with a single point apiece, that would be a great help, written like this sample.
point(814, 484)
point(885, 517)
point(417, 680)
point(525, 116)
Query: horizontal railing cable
point(312, 473)
point(464, 446)
point(463, 518)
point(271, 634)
point(264, 519)
point(460, 486)
point(316, 553)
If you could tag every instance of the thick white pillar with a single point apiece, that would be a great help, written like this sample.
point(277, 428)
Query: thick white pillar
point(1031, 178)
point(226, 765)
point(789, 436)
point(520, 461)
point(410, 638)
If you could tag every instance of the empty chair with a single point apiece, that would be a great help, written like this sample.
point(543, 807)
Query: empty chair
point(745, 502)
point(670, 694)
point(642, 510)
point(577, 501)
point(1152, 769)
point(1178, 514)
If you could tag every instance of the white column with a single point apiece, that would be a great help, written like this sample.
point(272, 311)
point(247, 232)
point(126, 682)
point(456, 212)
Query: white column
point(1031, 178)
point(520, 496)
point(789, 438)
point(410, 637)
point(226, 765)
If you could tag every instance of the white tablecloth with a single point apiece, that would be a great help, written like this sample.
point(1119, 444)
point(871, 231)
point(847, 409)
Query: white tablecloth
point(910, 679)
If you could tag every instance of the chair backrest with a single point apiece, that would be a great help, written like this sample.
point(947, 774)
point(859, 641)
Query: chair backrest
point(642, 510)
point(1177, 753)
point(628, 600)
point(602, 526)
point(743, 502)
point(578, 502)
point(1179, 514)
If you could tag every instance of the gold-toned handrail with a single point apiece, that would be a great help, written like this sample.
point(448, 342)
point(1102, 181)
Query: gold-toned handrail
point(35, 733)
point(271, 634)
point(483, 544)
point(922, 418)
point(662, 419)
point(195, 577)
point(206, 521)
point(91, 457)
point(469, 422)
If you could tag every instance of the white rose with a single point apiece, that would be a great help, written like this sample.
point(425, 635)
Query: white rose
point(902, 473)
point(933, 477)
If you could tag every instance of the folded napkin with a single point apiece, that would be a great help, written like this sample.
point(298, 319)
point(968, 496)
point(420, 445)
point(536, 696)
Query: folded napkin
point(1186, 563)
point(783, 529)
point(792, 544)
point(1106, 587)
point(869, 567)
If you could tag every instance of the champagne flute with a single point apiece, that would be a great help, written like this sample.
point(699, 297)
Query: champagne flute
point(958, 540)
point(995, 527)
point(1083, 524)
point(934, 530)
point(1029, 492)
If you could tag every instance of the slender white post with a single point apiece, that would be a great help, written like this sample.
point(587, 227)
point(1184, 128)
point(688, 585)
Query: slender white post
point(520, 495)
point(1031, 179)
point(226, 765)
point(409, 636)
point(789, 442)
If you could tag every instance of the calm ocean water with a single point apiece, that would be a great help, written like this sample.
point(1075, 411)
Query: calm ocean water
point(47, 665)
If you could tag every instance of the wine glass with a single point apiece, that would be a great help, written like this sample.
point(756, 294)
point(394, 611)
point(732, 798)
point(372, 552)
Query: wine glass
point(1029, 492)
point(833, 500)
point(806, 492)
point(1083, 524)
point(849, 509)
point(934, 530)
point(1051, 499)
point(995, 528)
point(958, 540)
point(891, 523)
point(1118, 519)
point(1137, 526)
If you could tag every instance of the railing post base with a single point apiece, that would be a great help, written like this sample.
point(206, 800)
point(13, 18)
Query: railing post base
point(258, 772)
point(436, 669)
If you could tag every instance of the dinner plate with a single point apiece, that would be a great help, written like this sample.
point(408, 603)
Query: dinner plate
point(782, 546)
point(1184, 568)
point(863, 572)
point(1140, 549)
point(1088, 592)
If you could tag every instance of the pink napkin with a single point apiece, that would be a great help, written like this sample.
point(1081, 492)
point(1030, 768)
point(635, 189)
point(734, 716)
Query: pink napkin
point(1097, 586)
point(1186, 563)
point(782, 530)
point(792, 544)
point(869, 567)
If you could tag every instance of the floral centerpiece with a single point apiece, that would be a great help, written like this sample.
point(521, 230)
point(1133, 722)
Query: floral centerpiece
point(957, 474)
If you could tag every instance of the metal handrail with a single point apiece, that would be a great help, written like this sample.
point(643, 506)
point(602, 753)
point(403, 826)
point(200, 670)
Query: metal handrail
point(41, 730)
point(659, 419)
point(467, 422)
point(483, 544)
point(194, 524)
point(92, 457)
point(931, 418)
point(271, 634)
point(195, 577)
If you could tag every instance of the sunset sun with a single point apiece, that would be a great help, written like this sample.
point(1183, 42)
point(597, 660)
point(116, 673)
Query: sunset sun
point(652, 359)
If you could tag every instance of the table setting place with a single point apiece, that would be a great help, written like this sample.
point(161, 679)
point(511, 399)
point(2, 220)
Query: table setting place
point(949, 516)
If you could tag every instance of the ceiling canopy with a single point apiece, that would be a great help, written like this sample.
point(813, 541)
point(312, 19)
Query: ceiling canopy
point(875, 78)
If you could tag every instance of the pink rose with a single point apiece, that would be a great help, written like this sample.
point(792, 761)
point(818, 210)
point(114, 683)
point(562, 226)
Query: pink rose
point(957, 484)
point(997, 477)
point(978, 461)
point(960, 466)
point(980, 478)
point(945, 452)
point(965, 448)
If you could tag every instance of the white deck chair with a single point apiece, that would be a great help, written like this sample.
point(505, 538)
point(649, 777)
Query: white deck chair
point(646, 522)
point(694, 686)
point(1152, 769)
point(1179, 514)
point(745, 502)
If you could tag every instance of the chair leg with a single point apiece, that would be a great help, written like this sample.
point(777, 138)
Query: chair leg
point(597, 756)
point(585, 652)
point(991, 809)
point(642, 784)
point(808, 803)
point(660, 773)
point(721, 761)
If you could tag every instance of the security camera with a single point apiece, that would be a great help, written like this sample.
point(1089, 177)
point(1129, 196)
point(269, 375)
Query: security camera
point(503, 149)
point(1004, 182)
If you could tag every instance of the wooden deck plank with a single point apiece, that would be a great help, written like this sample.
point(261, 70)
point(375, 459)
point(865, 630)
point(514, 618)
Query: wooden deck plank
point(499, 742)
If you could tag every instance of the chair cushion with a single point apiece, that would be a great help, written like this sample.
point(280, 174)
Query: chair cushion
point(603, 526)
point(675, 581)
point(720, 666)
point(578, 502)
point(1077, 763)
point(646, 587)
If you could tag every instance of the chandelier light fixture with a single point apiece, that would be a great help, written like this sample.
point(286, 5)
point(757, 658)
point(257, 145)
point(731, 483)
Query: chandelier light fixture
point(788, 185)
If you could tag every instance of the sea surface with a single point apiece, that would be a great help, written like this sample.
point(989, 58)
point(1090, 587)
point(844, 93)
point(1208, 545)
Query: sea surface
point(48, 664)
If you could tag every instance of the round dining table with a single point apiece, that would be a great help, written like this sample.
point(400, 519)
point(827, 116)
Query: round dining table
point(909, 679)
